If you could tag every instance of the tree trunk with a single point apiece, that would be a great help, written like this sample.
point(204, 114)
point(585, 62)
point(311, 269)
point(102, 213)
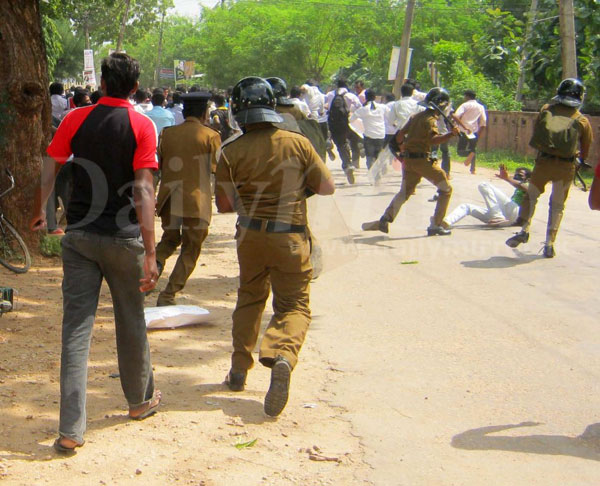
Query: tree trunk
point(24, 107)
point(123, 25)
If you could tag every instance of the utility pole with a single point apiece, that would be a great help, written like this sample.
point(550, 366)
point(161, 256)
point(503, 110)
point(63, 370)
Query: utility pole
point(160, 46)
point(410, 11)
point(524, 53)
point(567, 38)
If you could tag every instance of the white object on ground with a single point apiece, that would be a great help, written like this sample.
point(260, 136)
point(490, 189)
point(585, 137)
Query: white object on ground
point(380, 166)
point(170, 316)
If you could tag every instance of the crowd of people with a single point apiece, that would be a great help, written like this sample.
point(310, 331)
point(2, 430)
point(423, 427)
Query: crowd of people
point(266, 146)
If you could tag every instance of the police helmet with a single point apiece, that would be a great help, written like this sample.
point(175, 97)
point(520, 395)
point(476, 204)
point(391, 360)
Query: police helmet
point(570, 92)
point(436, 96)
point(253, 101)
point(280, 91)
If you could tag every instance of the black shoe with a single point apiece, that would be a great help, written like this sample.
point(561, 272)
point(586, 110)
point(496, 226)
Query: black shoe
point(520, 237)
point(236, 380)
point(350, 176)
point(549, 251)
point(434, 198)
point(279, 390)
point(379, 225)
point(438, 231)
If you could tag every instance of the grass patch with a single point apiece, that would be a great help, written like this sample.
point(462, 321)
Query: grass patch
point(50, 245)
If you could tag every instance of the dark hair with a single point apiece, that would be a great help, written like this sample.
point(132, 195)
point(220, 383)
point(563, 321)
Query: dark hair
point(407, 89)
point(360, 83)
point(219, 99)
point(194, 109)
point(158, 99)
point(469, 93)
point(95, 96)
point(79, 95)
point(390, 97)
point(140, 96)
point(526, 170)
point(295, 92)
point(176, 98)
point(57, 88)
point(370, 96)
point(120, 72)
point(342, 83)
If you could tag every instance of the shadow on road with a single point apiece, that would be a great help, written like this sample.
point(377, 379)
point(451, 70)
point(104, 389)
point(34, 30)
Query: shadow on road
point(501, 261)
point(585, 446)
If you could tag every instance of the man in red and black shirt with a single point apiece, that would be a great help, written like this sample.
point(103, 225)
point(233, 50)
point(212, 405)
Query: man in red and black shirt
point(109, 235)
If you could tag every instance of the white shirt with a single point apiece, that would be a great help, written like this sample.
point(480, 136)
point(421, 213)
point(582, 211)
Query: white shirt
point(419, 95)
point(60, 106)
point(142, 107)
point(301, 105)
point(177, 111)
point(373, 119)
point(472, 115)
point(403, 109)
point(390, 118)
point(352, 101)
point(315, 101)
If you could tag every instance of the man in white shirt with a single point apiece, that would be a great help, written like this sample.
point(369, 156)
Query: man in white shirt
point(341, 133)
point(177, 108)
point(473, 120)
point(417, 95)
point(60, 105)
point(389, 118)
point(359, 89)
point(373, 119)
point(142, 102)
point(295, 95)
point(405, 107)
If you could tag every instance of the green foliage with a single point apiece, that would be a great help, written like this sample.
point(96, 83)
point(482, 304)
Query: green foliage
point(52, 39)
point(50, 245)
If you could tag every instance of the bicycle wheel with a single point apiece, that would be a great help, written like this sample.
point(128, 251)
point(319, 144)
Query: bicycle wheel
point(14, 254)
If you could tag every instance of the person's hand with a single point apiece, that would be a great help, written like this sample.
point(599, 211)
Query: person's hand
point(150, 274)
point(38, 222)
point(503, 174)
point(455, 130)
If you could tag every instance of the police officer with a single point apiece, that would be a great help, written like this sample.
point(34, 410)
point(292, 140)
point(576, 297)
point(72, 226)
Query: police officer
point(415, 139)
point(187, 154)
point(266, 175)
point(556, 159)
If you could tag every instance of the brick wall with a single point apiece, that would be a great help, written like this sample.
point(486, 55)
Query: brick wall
point(511, 130)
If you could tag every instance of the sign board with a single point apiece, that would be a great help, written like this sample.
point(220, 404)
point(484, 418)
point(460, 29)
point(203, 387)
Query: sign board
point(89, 77)
point(395, 59)
point(183, 69)
point(88, 59)
point(166, 73)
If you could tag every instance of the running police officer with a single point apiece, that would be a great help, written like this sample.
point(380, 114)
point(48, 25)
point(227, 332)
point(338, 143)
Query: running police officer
point(415, 139)
point(188, 156)
point(265, 175)
point(561, 135)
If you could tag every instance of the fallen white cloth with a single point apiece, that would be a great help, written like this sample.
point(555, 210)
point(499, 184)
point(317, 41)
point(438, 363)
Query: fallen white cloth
point(170, 316)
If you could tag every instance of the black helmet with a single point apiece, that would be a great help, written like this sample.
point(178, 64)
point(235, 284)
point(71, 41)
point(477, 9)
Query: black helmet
point(280, 91)
point(252, 101)
point(436, 96)
point(570, 92)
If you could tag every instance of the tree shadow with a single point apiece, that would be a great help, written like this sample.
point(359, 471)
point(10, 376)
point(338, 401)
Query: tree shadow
point(584, 446)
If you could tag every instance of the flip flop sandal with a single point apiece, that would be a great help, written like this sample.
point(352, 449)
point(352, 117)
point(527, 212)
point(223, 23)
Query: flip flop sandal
point(61, 449)
point(151, 410)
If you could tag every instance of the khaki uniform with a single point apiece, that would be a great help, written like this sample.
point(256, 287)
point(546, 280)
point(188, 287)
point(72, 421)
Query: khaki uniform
point(559, 171)
point(267, 171)
point(187, 153)
point(421, 128)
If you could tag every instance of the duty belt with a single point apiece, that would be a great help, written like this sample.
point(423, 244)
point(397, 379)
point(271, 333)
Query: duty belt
point(270, 226)
point(550, 156)
point(416, 155)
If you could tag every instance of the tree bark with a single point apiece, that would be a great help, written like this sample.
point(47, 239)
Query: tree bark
point(123, 25)
point(24, 107)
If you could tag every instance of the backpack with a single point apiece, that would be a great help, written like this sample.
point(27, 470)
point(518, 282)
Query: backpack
point(338, 113)
point(556, 134)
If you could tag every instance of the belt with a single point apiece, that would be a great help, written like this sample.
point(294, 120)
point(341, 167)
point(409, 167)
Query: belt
point(416, 155)
point(550, 156)
point(270, 226)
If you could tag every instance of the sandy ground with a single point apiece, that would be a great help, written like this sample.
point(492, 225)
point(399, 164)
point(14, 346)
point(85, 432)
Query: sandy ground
point(422, 354)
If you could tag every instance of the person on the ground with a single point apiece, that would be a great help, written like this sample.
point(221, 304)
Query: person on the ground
point(561, 135)
point(219, 117)
point(415, 140)
point(109, 237)
point(187, 156)
point(470, 115)
point(372, 116)
point(340, 105)
point(500, 209)
point(158, 114)
point(266, 175)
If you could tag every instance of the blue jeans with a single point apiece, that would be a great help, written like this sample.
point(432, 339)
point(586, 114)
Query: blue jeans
point(87, 259)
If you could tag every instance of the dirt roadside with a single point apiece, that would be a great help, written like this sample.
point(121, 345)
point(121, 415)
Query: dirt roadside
point(199, 435)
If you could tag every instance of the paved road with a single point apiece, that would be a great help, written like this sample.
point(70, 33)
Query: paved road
point(476, 365)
